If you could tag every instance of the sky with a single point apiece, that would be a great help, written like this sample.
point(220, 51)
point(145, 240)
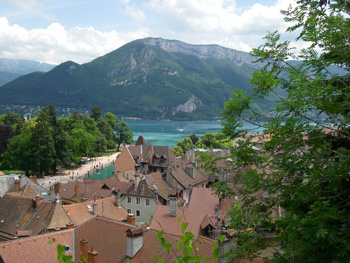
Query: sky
point(55, 31)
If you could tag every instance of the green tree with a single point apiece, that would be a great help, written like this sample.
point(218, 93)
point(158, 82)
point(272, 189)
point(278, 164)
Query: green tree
point(19, 153)
point(15, 120)
point(111, 119)
point(6, 134)
point(123, 134)
point(107, 131)
point(177, 150)
point(305, 166)
point(43, 142)
point(96, 113)
point(185, 144)
point(194, 138)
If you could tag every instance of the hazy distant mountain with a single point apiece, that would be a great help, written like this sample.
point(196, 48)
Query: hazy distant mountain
point(151, 78)
point(6, 77)
point(23, 66)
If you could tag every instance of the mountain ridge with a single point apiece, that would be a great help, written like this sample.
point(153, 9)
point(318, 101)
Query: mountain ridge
point(151, 78)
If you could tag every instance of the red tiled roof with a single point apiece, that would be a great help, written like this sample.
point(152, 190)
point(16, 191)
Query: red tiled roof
point(15, 213)
point(152, 246)
point(108, 237)
point(80, 213)
point(156, 182)
point(35, 249)
point(125, 161)
point(200, 176)
point(202, 204)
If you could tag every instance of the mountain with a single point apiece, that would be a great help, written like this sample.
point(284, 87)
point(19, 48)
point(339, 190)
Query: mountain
point(23, 66)
point(6, 77)
point(150, 78)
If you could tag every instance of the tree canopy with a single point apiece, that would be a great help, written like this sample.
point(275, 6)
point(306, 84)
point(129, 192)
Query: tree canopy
point(304, 168)
point(123, 134)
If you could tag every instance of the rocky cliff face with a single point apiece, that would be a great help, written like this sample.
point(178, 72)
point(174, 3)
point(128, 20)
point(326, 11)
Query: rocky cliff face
point(202, 51)
point(189, 106)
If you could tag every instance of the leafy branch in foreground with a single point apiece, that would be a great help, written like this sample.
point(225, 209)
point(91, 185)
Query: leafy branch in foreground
point(296, 189)
point(188, 247)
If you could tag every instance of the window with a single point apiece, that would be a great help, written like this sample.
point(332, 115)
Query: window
point(129, 200)
point(147, 202)
point(138, 213)
point(138, 200)
point(129, 211)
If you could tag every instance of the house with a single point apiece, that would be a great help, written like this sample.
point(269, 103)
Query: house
point(37, 249)
point(101, 240)
point(81, 191)
point(201, 214)
point(109, 207)
point(145, 159)
point(140, 200)
point(23, 216)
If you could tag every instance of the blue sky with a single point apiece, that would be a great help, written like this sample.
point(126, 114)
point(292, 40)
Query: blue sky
point(55, 31)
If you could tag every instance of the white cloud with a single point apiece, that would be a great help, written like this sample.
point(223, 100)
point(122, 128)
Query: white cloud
point(133, 11)
point(56, 44)
point(220, 21)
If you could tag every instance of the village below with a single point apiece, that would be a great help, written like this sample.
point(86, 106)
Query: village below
point(77, 185)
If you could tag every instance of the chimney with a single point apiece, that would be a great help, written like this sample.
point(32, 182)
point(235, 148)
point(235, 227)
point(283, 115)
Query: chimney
point(192, 153)
point(92, 256)
point(17, 185)
point(83, 249)
point(57, 187)
point(173, 206)
point(150, 155)
point(137, 180)
point(33, 178)
point(77, 188)
point(70, 225)
point(189, 192)
point(168, 173)
point(134, 241)
point(130, 219)
point(94, 208)
point(52, 191)
point(190, 171)
point(38, 201)
point(117, 200)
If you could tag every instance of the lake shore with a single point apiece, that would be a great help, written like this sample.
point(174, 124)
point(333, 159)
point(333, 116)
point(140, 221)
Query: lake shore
point(89, 168)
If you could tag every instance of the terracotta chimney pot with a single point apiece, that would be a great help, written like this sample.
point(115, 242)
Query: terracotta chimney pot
point(92, 255)
point(83, 249)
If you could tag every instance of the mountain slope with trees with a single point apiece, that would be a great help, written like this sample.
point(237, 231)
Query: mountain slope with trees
point(138, 79)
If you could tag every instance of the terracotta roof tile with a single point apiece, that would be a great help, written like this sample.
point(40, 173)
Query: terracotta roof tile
point(152, 246)
point(57, 218)
point(106, 236)
point(156, 182)
point(186, 180)
point(202, 204)
point(15, 212)
point(125, 161)
point(35, 249)
point(82, 212)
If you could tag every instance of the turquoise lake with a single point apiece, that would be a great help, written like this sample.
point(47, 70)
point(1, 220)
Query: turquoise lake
point(168, 133)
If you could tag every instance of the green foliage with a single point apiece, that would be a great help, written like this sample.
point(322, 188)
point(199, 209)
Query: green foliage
point(187, 247)
point(178, 151)
point(123, 134)
point(96, 113)
point(305, 166)
point(185, 144)
point(194, 138)
point(47, 142)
